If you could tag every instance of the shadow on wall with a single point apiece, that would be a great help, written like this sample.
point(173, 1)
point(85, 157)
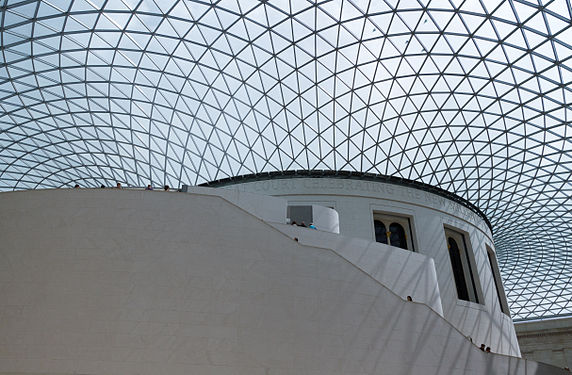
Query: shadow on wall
point(149, 284)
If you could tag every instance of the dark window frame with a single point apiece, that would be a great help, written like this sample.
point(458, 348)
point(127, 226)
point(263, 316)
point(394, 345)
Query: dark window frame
point(380, 237)
point(467, 272)
point(404, 221)
point(497, 280)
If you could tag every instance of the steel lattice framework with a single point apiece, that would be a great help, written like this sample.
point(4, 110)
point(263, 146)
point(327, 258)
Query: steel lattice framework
point(473, 97)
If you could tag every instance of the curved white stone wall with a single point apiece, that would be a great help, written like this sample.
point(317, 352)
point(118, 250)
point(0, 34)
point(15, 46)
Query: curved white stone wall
point(117, 282)
point(325, 218)
point(404, 273)
point(356, 201)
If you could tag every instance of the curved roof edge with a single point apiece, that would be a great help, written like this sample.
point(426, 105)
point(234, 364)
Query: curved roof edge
point(348, 175)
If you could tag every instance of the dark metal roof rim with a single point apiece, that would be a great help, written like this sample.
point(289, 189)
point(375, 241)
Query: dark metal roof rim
point(348, 175)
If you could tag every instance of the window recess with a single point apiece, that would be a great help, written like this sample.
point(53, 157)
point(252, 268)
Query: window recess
point(393, 230)
point(463, 266)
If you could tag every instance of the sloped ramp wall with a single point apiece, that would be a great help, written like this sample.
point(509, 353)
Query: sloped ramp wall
point(405, 273)
point(130, 282)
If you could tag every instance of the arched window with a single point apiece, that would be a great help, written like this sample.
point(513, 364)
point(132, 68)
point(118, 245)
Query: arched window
point(458, 273)
point(463, 266)
point(393, 230)
point(497, 280)
point(397, 236)
point(380, 232)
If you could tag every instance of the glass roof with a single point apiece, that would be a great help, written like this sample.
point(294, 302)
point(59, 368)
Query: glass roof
point(470, 96)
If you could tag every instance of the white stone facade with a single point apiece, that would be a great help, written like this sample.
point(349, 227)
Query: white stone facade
point(106, 281)
point(548, 341)
point(356, 202)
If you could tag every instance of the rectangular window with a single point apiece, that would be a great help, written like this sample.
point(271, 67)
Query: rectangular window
point(393, 230)
point(497, 280)
point(463, 265)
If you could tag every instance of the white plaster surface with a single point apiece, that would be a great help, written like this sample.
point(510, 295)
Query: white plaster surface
point(146, 282)
point(325, 218)
point(264, 207)
point(405, 273)
point(356, 201)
